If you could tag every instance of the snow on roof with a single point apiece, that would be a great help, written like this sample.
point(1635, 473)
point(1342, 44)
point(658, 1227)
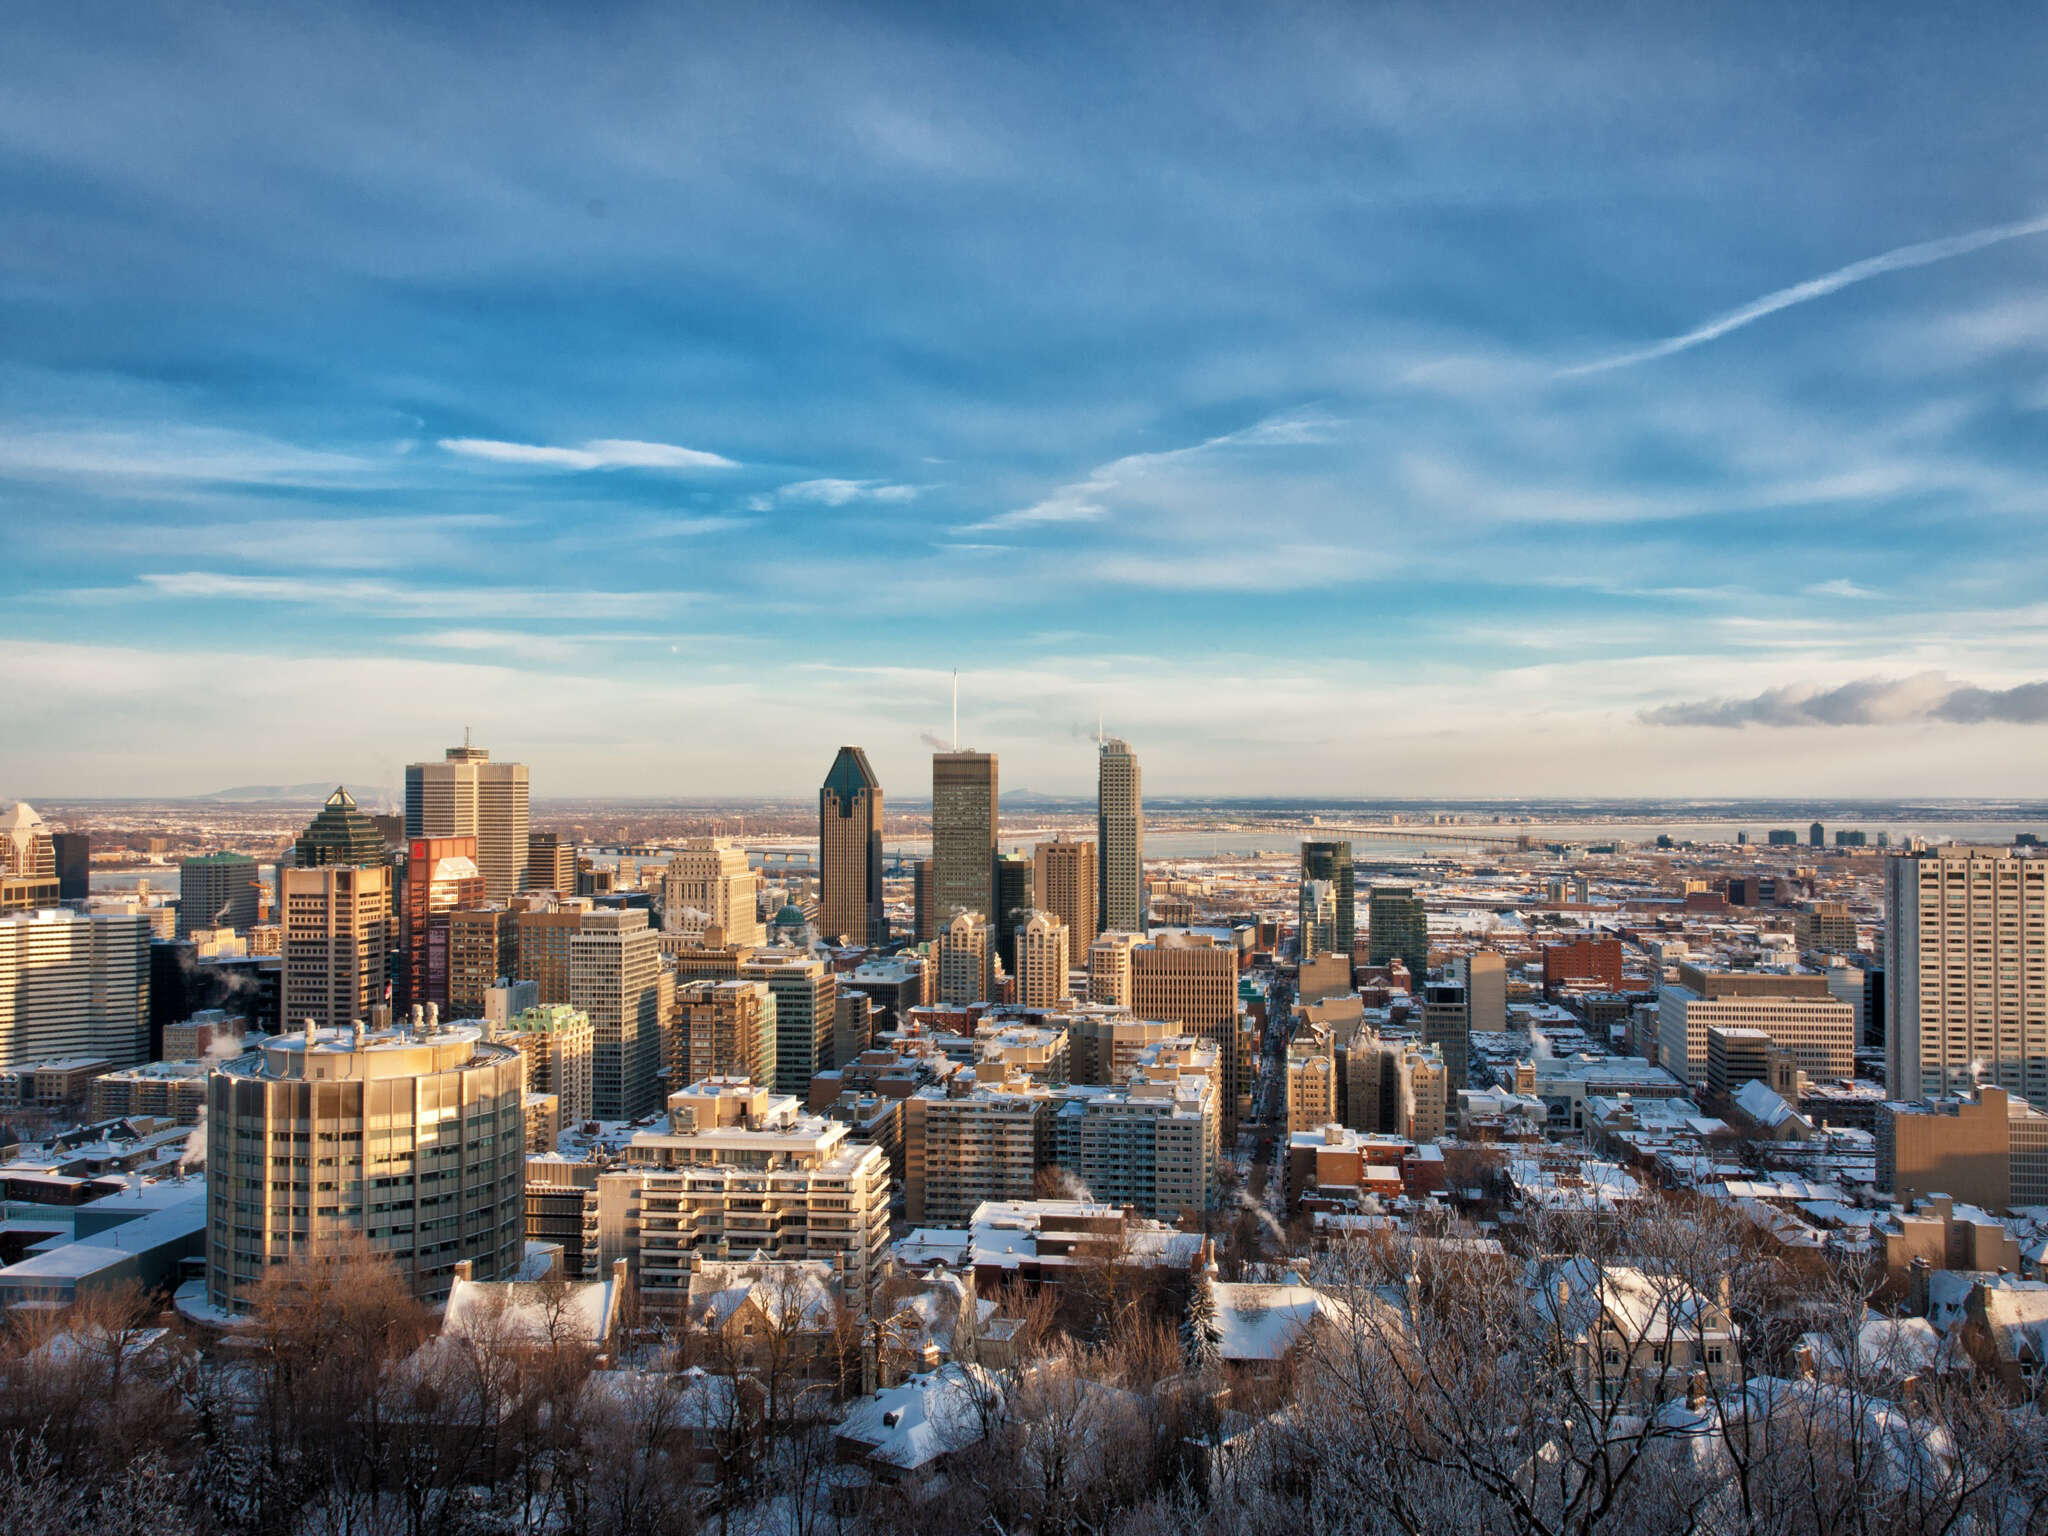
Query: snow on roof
point(1756, 1100)
point(1896, 1346)
point(913, 1424)
point(1262, 1322)
point(532, 1312)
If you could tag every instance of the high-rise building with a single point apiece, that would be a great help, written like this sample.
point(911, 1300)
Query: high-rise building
point(1816, 836)
point(483, 949)
point(615, 977)
point(978, 1143)
point(965, 951)
point(1152, 1144)
point(417, 1144)
point(721, 1029)
point(337, 937)
point(218, 890)
point(468, 795)
point(1120, 839)
point(921, 900)
point(964, 795)
point(1330, 863)
point(339, 834)
point(550, 863)
point(441, 875)
point(1014, 903)
point(25, 845)
point(73, 985)
point(545, 928)
point(73, 851)
point(1798, 1012)
point(1191, 980)
point(1966, 973)
point(1063, 882)
point(850, 851)
point(559, 1045)
point(1444, 1026)
point(806, 996)
point(710, 884)
point(1485, 977)
point(1398, 927)
point(1109, 969)
point(1041, 961)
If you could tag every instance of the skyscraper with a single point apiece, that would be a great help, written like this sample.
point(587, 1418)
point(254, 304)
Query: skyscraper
point(74, 864)
point(337, 932)
point(806, 994)
point(73, 984)
point(25, 845)
point(441, 876)
point(965, 954)
point(1120, 839)
point(964, 795)
point(616, 979)
point(1190, 980)
point(1966, 973)
point(850, 851)
point(339, 834)
point(468, 795)
point(1398, 927)
point(1014, 903)
point(218, 890)
point(710, 884)
point(1330, 862)
point(1063, 882)
point(1041, 960)
point(550, 863)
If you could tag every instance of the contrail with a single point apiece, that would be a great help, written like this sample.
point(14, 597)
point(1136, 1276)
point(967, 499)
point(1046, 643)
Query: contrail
point(1924, 254)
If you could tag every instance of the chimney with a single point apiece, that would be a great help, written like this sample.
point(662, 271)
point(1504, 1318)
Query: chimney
point(464, 1271)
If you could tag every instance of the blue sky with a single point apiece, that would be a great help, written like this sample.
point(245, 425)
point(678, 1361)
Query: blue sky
point(1384, 400)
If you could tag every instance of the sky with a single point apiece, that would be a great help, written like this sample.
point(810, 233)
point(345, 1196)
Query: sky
point(1383, 400)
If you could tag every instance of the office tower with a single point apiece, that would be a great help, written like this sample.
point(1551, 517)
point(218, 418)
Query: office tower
point(705, 1193)
point(1192, 981)
point(615, 977)
point(963, 835)
point(1109, 969)
point(1443, 1026)
point(1398, 929)
point(1799, 1013)
point(559, 1046)
point(468, 795)
point(806, 996)
point(441, 875)
point(1315, 923)
point(218, 890)
point(979, 1143)
point(853, 1026)
point(74, 984)
point(339, 834)
point(1331, 863)
point(337, 936)
point(965, 951)
point(73, 852)
point(721, 1029)
point(1063, 882)
point(921, 900)
point(709, 884)
point(850, 851)
point(1966, 973)
point(1041, 961)
point(414, 1141)
point(1013, 903)
point(1120, 839)
point(550, 863)
point(1816, 836)
point(1311, 1082)
point(483, 949)
point(1485, 977)
point(545, 930)
point(25, 845)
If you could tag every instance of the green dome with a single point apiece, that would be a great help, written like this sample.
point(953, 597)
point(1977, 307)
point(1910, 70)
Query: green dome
point(790, 916)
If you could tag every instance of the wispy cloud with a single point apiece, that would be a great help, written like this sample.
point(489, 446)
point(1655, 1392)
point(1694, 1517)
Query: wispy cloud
point(1927, 696)
point(171, 453)
point(832, 493)
point(1926, 253)
point(1840, 586)
point(599, 453)
point(385, 597)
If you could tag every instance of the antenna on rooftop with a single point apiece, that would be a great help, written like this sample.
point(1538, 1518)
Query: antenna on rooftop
point(1098, 725)
point(956, 709)
point(465, 738)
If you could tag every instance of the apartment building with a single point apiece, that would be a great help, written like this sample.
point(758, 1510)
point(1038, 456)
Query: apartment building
point(967, 1143)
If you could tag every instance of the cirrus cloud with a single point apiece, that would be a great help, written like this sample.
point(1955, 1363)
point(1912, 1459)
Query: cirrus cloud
point(599, 453)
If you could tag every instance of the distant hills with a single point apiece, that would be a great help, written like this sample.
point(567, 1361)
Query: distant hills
point(369, 796)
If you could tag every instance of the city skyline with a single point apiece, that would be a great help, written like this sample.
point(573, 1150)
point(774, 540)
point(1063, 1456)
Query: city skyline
point(1672, 418)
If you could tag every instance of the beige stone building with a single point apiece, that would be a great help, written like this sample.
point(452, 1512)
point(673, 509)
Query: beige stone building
point(967, 1143)
point(1311, 1084)
point(1063, 878)
point(1109, 969)
point(1106, 1040)
point(559, 1046)
point(1797, 1011)
point(411, 1140)
point(337, 934)
point(709, 884)
point(1120, 831)
point(965, 952)
point(1042, 942)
